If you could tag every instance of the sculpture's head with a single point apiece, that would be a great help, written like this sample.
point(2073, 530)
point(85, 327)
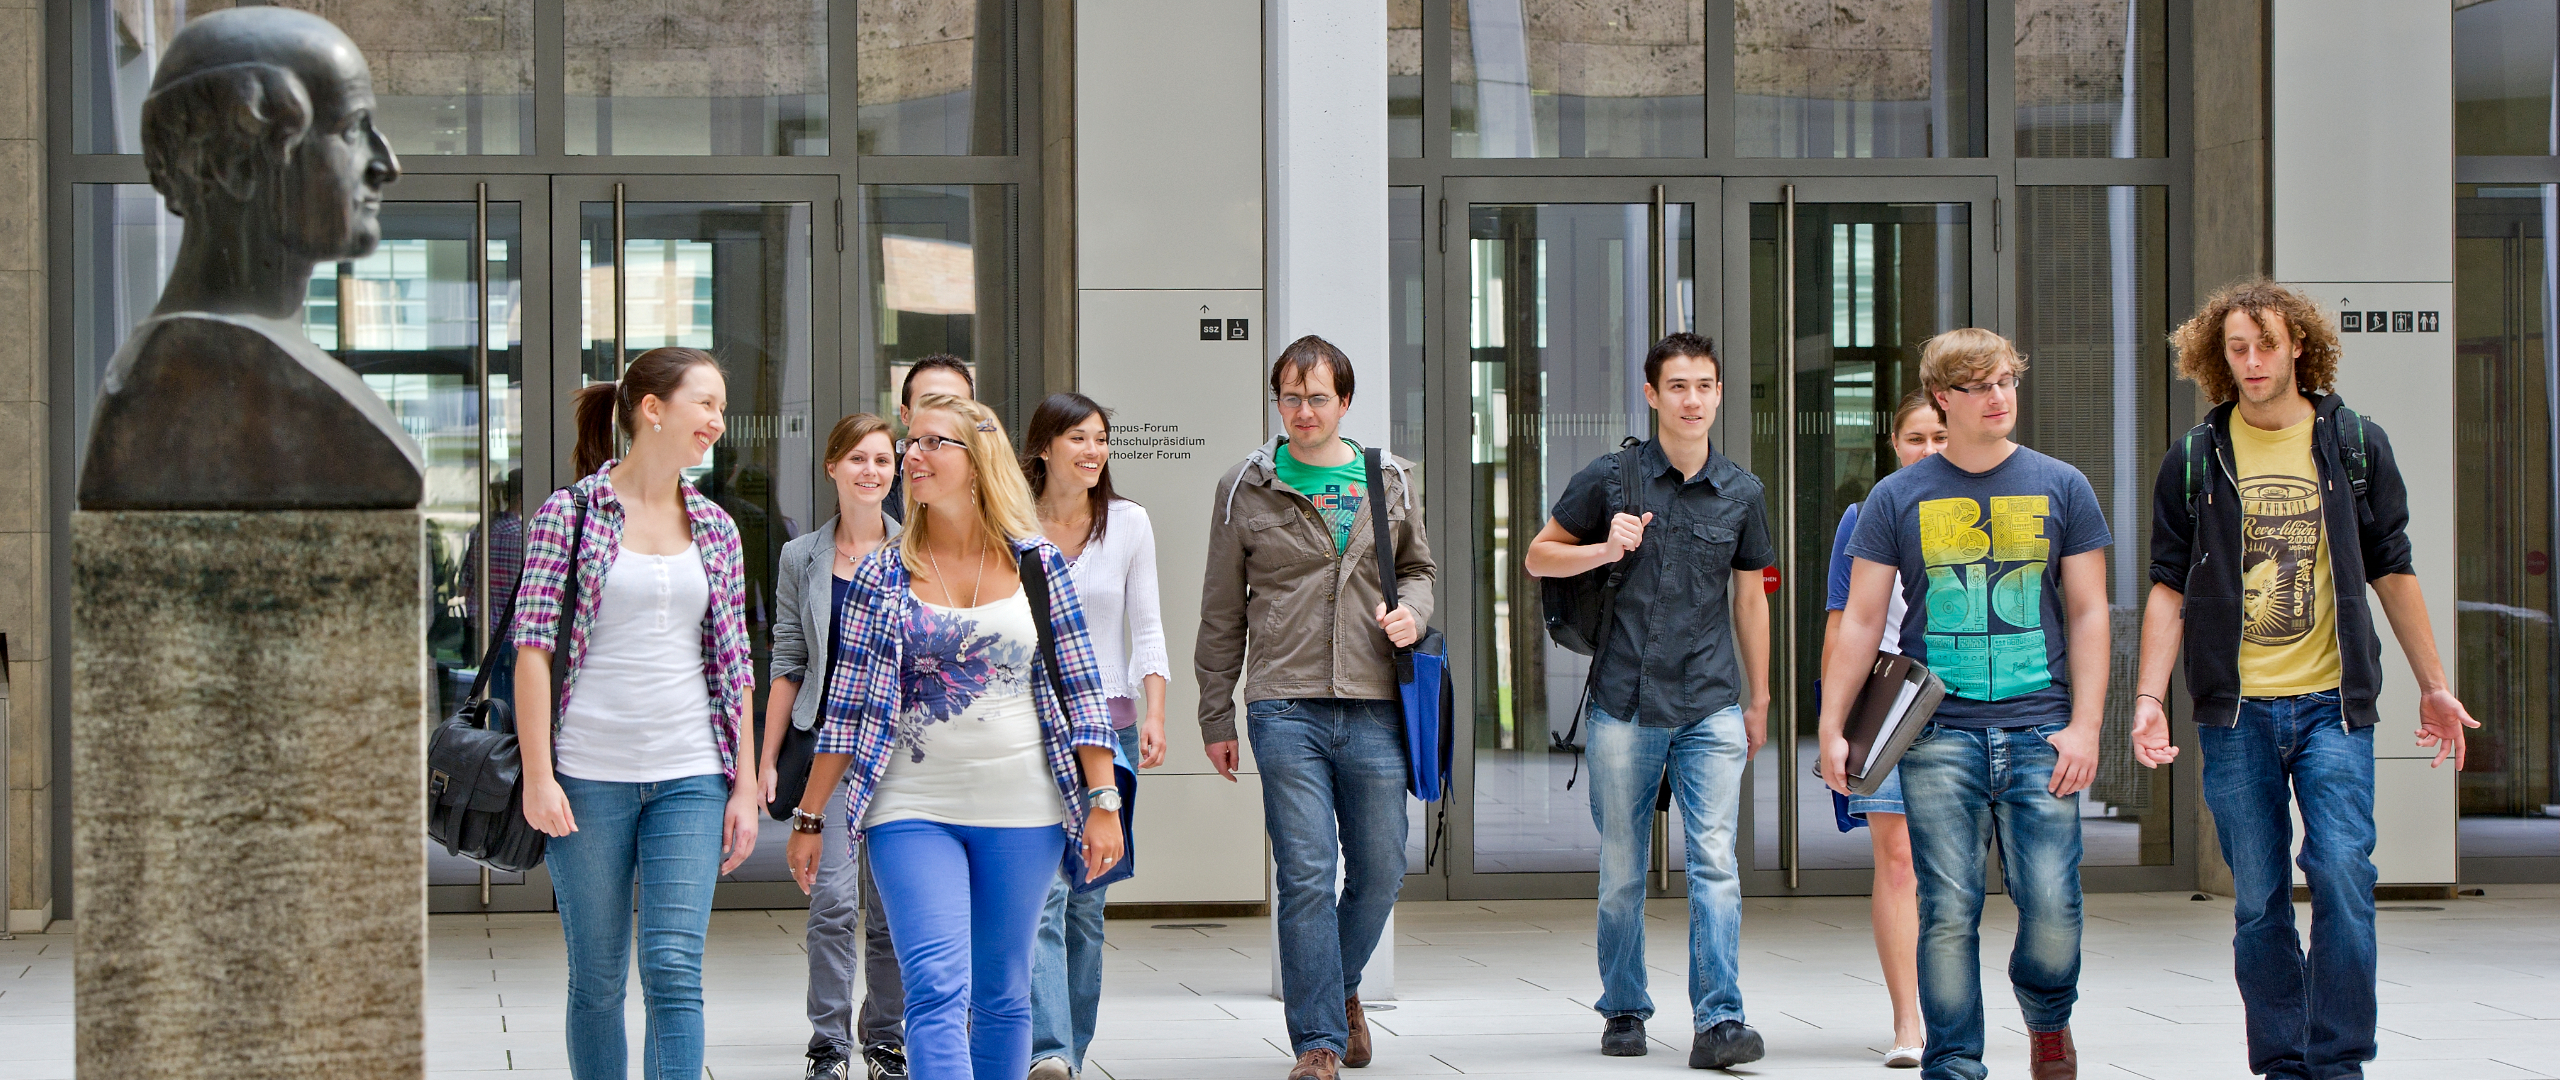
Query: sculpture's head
point(266, 113)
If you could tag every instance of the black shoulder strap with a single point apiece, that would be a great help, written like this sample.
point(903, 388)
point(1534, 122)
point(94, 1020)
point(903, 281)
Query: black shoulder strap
point(568, 603)
point(1035, 587)
point(1382, 549)
point(2198, 450)
point(2355, 450)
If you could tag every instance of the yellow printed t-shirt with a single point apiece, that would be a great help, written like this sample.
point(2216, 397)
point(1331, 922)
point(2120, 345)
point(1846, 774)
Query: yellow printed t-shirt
point(2288, 598)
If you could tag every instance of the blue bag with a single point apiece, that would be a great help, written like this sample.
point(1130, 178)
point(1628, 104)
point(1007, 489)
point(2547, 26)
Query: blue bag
point(1035, 586)
point(1422, 668)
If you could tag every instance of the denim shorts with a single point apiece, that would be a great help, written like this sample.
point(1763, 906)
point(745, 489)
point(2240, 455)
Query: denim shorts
point(1886, 800)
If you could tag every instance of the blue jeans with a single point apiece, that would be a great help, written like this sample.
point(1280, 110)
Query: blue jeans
point(1962, 787)
point(1333, 777)
point(667, 835)
point(1066, 973)
point(2309, 1018)
point(1705, 759)
point(963, 904)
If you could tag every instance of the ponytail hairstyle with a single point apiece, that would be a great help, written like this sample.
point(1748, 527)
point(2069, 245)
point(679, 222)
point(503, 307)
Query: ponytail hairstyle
point(1005, 510)
point(1056, 415)
point(600, 407)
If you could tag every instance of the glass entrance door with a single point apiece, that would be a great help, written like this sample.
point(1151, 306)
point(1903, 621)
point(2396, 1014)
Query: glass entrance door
point(1556, 289)
point(1846, 279)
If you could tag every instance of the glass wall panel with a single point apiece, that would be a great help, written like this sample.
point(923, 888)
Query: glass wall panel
point(1568, 78)
point(938, 277)
point(449, 76)
point(1859, 79)
point(2092, 78)
point(1404, 78)
point(1558, 325)
point(2504, 302)
point(2506, 54)
point(933, 77)
point(2093, 287)
point(706, 77)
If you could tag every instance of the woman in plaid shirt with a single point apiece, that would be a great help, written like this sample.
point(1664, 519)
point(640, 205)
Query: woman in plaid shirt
point(975, 770)
point(636, 772)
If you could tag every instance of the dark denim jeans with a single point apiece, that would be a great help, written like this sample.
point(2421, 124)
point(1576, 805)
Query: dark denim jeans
point(2310, 1018)
point(1961, 787)
point(1704, 758)
point(1332, 780)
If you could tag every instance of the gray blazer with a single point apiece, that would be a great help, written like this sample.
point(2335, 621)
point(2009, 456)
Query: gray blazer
point(805, 596)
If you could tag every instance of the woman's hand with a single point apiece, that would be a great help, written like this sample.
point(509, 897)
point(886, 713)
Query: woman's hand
point(1102, 842)
point(801, 852)
point(768, 777)
point(738, 832)
point(546, 807)
point(1151, 739)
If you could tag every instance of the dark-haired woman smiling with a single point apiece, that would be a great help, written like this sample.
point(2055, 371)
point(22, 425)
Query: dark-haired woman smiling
point(636, 773)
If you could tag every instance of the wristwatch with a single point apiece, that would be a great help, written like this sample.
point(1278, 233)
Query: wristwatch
point(803, 821)
point(1103, 798)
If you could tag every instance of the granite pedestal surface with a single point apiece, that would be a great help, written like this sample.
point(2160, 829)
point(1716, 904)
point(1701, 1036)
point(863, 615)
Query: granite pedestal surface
point(249, 715)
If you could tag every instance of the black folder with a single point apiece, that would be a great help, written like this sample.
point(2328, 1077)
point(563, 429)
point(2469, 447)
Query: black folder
point(1892, 708)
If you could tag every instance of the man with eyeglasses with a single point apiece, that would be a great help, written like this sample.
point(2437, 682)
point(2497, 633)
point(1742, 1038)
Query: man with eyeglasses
point(1669, 694)
point(1291, 589)
point(2001, 552)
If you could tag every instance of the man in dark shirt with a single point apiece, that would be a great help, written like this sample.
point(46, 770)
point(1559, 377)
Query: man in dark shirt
point(1670, 694)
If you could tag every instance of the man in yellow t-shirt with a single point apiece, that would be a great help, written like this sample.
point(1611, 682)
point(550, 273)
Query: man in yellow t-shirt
point(2288, 599)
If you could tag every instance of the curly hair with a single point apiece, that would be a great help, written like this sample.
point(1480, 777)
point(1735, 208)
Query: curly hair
point(2199, 342)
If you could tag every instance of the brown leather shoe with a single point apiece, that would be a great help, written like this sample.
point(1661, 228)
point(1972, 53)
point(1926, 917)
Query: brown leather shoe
point(2050, 1056)
point(1357, 1055)
point(1317, 1064)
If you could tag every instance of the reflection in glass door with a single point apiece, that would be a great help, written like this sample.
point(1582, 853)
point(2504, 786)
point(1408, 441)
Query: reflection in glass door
point(1842, 295)
point(1561, 299)
point(735, 278)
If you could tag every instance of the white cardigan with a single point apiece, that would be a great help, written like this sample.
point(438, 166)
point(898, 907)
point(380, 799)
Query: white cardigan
point(1116, 582)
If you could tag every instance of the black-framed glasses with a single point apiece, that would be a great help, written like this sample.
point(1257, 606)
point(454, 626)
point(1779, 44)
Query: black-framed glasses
point(1292, 402)
point(2006, 382)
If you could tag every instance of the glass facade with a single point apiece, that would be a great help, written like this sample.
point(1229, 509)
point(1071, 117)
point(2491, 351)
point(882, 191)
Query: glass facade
point(934, 77)
point(725, 77)
point(1859, 79)
point(2506, 54)
point(1562, 78)
point(939, 266)
point(2091, 78)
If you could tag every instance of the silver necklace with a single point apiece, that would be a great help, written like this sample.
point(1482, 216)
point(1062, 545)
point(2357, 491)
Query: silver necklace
point(945, 582)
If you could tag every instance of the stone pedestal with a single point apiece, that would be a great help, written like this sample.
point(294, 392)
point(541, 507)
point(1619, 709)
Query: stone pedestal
point(249, 710)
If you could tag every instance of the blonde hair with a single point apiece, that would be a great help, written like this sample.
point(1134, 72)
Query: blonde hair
point(1005, 509)
point(1962, 356)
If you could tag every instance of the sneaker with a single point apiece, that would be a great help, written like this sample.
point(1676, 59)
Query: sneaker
point(1624, 1037)
point(2050, 1056)
point(1317, 1064)
point(1356, 1054)
point(886, 1062)
point(1904, 1057)
point(1051, 1068)
point(828, 1064)
point(1726, 1045)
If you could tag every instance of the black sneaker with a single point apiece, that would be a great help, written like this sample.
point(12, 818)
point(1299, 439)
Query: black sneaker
point(1725, 1045)
point(1624, 1037)
point(828, 1064)
point(886, 1062)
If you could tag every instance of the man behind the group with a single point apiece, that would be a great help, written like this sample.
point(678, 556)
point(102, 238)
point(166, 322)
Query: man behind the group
point(1670, 694)
point(2259, 514)
point(2001, 554)
point(1290, 575)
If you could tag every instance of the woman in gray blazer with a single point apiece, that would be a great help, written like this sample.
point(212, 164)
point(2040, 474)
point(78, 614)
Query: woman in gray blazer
point(809, 591)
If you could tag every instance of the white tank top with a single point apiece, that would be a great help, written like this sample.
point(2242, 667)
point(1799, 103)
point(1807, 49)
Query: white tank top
point(968, 749)
point(642, 712)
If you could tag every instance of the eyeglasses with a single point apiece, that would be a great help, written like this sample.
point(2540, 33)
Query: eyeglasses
point(2009, 382)
point(1292, 402)
point(927, 443)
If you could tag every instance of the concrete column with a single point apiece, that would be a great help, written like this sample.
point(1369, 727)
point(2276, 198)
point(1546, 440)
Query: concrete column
point(2361, 176)
point(26, 539)
point(1325, 169)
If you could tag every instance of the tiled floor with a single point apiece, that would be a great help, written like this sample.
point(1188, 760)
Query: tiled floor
point(2471, 991)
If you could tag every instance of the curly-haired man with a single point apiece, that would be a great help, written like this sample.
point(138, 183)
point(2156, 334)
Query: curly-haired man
point(2258, 516)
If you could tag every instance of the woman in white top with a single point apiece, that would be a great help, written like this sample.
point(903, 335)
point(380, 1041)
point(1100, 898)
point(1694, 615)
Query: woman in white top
point(1111, 550)
point(637, 774)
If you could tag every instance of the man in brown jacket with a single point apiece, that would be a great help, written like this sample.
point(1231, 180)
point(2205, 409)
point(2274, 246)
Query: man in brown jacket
point(1290, 574)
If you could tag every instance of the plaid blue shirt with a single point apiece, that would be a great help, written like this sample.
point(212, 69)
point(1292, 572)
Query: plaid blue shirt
point(865, 690)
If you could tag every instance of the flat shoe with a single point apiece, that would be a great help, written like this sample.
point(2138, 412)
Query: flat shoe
point(1903, 1057)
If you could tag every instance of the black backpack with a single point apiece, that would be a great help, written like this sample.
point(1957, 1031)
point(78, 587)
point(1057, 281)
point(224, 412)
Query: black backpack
point(2355, 453)
point(1580, 608)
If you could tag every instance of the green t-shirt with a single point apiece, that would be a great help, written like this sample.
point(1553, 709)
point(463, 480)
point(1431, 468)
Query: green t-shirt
point(1337, 490)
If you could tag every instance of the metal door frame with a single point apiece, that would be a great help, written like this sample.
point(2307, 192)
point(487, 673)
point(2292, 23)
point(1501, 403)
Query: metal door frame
point(1449, 425)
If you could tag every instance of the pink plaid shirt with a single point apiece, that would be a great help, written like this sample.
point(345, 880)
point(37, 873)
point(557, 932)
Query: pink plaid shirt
point(726, 663)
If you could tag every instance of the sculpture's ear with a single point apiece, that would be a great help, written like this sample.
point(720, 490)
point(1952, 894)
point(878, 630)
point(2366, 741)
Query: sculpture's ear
point(222, 131)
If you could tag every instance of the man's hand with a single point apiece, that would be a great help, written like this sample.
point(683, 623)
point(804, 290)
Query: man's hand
point(2441, 719)
point(2151, 733)
point(1755, 728)
point(1626, 533)
point(1401, 627)
point(1835, 763)
point(2075, 761)
point(1224, 758)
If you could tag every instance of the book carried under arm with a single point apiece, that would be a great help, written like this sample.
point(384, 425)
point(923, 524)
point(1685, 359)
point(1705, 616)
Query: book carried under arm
point(1892, 708)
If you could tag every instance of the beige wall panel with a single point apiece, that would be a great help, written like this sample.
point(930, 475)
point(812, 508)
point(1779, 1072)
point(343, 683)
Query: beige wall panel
point(2413, 814)
point(1169, 144)
point(1199, 841)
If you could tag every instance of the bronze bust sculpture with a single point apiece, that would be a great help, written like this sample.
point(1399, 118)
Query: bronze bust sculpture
point(258, 131)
